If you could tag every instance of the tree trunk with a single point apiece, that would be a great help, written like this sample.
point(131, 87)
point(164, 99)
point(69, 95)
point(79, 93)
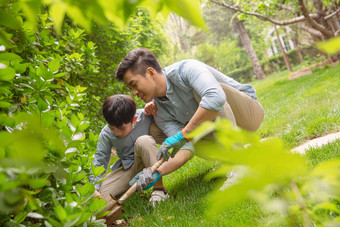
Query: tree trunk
point(249, 48)
point(179, 31)
point(297, 43)
point(285, 56)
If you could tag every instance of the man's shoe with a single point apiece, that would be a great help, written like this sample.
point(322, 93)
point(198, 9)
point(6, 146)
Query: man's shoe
point(158, 195)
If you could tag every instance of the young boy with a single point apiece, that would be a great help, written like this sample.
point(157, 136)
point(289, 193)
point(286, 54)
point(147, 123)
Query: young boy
point(128, 132)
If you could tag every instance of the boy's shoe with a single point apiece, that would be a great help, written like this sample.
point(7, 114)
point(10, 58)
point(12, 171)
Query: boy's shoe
point(158, 195)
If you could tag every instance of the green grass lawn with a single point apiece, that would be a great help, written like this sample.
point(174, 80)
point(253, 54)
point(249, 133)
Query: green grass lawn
point(295, 110)
point(300, 109)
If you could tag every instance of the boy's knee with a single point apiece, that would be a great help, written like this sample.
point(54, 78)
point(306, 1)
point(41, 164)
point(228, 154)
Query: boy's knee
point(144, 143)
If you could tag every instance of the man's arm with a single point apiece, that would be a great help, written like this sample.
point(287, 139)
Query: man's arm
point(176, 162)
point(201, 115)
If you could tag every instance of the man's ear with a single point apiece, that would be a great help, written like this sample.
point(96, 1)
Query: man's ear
point(151, 71)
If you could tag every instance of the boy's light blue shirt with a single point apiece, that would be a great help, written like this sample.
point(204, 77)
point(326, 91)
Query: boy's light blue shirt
point(184, 77)
point(125, 146)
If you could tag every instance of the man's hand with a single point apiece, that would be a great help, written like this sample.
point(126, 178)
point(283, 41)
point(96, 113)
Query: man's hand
point(176, 142)
point(146, 179)
point(150, 109)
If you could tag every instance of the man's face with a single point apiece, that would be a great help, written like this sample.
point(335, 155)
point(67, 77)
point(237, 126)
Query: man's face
point(142, 86)
point(122, 131)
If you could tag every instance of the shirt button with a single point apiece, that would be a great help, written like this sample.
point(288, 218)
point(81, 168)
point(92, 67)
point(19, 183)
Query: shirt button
point(187, 113)
point(173, 102)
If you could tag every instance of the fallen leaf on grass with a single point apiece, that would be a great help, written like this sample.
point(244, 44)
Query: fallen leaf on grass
point(170, 217)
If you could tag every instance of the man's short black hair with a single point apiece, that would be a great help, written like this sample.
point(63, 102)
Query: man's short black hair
point(137, 60)
point(119, 110)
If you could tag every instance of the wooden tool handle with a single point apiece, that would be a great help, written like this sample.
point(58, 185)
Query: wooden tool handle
point(133, 188)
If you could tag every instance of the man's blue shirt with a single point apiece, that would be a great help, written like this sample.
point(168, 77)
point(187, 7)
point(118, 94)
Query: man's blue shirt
point(184, 77)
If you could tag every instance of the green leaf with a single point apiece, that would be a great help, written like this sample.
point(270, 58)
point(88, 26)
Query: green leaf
point(8, 20)
point(54, 65)
point(83, 126)
point(46, 195)
point(74, 143)
point(19, 68)
point(69, 198)
point(60, 213)
point(84, 217)
point(31, 9)
point(188, 9)
point(103, 214)
point(74, 121)
point(9, 57)
point(38, 183)
point(42, 105)
point(78, 177)
point(61, 175)
point(331, 46)
point(327, 206)
point(54, 223)
point(6, 120)
point(4, 104)
point(98, 170)
point(20, 217)
point(7, 74)
point(86, 189)
point(57, 12)
point(97, 204)
point(59, 75)
point(77, 14)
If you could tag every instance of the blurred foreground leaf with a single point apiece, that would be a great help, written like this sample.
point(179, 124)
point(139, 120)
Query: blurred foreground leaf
point(331, 46)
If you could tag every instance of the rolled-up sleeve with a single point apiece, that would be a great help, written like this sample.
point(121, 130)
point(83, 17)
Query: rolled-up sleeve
point(204, 83)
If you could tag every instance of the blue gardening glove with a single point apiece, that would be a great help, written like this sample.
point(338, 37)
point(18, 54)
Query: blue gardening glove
point(146, 179)
point(176, 142)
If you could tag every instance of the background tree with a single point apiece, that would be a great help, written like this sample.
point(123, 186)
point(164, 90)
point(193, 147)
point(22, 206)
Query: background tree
point(312, 16)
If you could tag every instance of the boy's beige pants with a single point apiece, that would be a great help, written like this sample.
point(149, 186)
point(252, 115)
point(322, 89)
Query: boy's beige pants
point(240, 109)
point(117, 182)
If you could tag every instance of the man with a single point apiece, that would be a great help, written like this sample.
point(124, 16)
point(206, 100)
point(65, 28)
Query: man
point(128, 132)
point(187, 94)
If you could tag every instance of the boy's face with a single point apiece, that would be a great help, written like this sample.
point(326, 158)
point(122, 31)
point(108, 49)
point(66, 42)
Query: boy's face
point(142, 86)
point(122, 131)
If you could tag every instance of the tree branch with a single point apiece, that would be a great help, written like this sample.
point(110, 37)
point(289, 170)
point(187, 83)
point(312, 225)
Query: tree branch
point(312, 22)
point(311, 30)
point(281, 23)
point(332, 14)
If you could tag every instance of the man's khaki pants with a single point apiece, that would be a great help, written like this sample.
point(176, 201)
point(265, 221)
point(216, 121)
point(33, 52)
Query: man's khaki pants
point(240, 109)
point(117, 182)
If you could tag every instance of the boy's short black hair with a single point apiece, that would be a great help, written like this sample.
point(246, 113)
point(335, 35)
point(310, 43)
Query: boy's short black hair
point(119, 110)
point(137, 60)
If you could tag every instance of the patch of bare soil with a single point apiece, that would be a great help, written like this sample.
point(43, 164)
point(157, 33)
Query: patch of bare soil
point(308, 70)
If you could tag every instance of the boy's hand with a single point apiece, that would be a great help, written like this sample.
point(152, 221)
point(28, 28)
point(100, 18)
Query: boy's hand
point(150, 109)
point(176, 142)
point(97, 194)
point(146, 179)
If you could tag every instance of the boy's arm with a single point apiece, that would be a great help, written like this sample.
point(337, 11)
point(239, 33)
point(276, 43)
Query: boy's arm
point(101, 157)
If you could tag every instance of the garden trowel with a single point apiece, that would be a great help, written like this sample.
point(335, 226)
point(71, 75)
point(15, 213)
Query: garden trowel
point(115, 206)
